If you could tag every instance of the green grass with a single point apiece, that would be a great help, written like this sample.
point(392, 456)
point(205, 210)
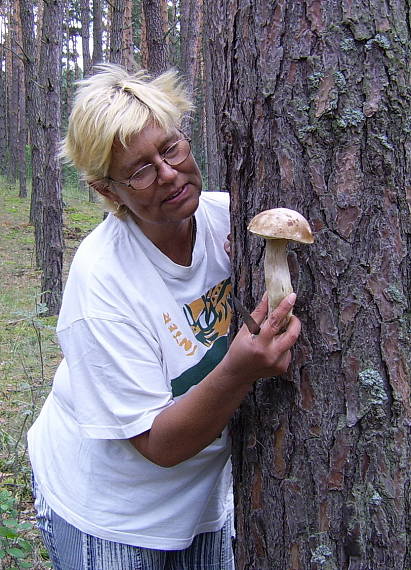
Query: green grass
point(29, 352)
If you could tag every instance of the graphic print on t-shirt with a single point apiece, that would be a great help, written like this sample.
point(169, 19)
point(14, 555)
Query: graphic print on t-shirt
point(209, 318)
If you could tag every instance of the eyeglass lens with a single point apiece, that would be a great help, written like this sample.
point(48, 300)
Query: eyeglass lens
point(174, 155)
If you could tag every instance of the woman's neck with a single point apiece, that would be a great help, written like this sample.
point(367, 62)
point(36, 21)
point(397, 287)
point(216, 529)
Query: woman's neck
point(176, 241)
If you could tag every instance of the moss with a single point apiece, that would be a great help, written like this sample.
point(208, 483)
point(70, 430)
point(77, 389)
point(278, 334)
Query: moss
point(372, 381)
point(395, 295)
point(315, 79)
point(321, 555)
point(340, 81)
point(347, 44)
point(379, 40)
point(304, 132)
point(350, 118)
point(375, 499)
point(301, 105)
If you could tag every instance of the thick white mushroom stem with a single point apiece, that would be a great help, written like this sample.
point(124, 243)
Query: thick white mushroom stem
point(277, 273)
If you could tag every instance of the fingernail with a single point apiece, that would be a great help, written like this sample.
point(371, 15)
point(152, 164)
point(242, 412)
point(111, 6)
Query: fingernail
point(291, 298)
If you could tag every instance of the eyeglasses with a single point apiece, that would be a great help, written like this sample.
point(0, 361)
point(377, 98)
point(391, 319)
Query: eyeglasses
point(145, 176)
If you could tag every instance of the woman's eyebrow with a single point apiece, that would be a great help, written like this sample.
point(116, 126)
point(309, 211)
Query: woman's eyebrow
point(140, 162)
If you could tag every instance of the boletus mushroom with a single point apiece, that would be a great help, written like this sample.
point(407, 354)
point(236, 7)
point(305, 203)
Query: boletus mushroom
point(278, 226)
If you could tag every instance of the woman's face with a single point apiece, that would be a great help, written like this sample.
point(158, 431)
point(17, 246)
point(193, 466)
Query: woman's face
point(174, 194)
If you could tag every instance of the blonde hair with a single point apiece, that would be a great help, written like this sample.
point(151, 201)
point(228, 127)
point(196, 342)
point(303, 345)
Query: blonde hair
point(114, 103)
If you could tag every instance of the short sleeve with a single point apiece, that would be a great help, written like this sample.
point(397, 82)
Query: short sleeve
point(116, 378)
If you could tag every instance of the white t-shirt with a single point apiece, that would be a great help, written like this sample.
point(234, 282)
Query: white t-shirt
point(137, 332)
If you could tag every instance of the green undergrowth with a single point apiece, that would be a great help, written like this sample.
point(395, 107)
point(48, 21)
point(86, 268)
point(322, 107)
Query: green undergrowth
point(29, 355)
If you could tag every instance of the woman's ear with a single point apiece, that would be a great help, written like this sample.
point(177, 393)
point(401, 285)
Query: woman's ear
point(103, 187)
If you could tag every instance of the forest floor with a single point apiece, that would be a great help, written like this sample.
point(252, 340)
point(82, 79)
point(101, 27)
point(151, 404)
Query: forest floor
point(29, 355)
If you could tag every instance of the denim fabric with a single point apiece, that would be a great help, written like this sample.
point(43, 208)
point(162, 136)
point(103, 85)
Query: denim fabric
point(72, 549)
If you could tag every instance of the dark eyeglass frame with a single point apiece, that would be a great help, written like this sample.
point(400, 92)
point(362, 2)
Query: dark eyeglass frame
point(163, 157)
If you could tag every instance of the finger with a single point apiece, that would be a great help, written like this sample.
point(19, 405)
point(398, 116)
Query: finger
point(260, 312)
point(289, 337)
point(284, 362)
point(279, 318)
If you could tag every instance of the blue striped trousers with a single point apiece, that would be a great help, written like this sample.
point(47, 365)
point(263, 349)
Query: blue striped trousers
point(71, 549)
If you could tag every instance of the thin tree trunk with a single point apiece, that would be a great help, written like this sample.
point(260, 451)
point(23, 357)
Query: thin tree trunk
point(97, 32)
point(85, 36)
point(116, 30)
point(43, 111)
point(22, 119)
point(49, 227)
point(127, 57)
point(190, 42)
point(311, 99)
point(3, 104)
point(211, 142)
point(155, 24)
point(34, 105)
point(12, 73)
point(22, 136)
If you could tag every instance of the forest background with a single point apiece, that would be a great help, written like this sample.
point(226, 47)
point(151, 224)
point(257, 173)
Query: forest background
point(45, 47)
point(301, 104)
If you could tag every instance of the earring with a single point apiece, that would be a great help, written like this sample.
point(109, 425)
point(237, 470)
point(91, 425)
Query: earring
point(117, 206)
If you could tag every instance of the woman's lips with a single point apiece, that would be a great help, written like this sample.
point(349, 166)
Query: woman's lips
point(174, 196)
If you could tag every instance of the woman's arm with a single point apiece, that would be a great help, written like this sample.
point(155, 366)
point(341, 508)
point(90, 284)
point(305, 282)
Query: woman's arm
point(193, 422)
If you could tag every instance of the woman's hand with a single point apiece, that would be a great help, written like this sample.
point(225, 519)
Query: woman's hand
point(269, 353)
point(193, 422)
point(227, 245)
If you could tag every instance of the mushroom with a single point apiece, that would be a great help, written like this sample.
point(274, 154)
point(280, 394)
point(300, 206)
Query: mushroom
point(278, 226)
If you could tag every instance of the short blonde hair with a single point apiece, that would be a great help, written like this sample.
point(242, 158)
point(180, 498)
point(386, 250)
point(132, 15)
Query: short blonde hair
point(114, 103)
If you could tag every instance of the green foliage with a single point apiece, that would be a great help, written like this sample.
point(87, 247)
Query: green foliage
point(29, 356)
point(14, 546)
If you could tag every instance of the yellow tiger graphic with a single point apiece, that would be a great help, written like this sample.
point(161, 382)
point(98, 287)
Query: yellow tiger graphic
point(209, 316)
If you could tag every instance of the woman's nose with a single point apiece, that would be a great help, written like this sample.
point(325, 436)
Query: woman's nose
point(165, 173)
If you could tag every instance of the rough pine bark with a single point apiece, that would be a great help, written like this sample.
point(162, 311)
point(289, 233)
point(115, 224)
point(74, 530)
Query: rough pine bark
point(34, 105)
point(49, 227)
point(312, 102)
point(22, 119)
point(191, 16)
point(43, 111)
point(12, 74)
point(3, 118)
point(85, 36)
point(117, 8)
point(128, 45)
point(154, 36)
point(191, 12)
point(97, 32)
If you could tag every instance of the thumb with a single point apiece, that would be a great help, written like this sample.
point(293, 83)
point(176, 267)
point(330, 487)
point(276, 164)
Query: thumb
point(260, 312)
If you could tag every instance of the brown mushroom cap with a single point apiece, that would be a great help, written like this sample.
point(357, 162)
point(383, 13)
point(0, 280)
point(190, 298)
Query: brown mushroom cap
point(281, 223)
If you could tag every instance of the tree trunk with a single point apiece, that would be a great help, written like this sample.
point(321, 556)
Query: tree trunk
point(155, 24)
point(127, 39)
point(97, 32)
point(116, 30)
point(43, 111)
point(3, 116)
point(85, 36)
point(34, 106)
point(49, 227)
point(214, 164)
point(12, 74)
point(311, 100)
point(21, 105)
point(190, 30)
point(190, 41)
point(22, 134)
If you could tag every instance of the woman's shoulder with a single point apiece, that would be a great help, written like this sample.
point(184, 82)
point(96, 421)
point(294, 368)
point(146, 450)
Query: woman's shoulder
point(215, 199)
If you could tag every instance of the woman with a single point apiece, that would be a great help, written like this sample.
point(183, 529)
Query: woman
point(130, 453)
